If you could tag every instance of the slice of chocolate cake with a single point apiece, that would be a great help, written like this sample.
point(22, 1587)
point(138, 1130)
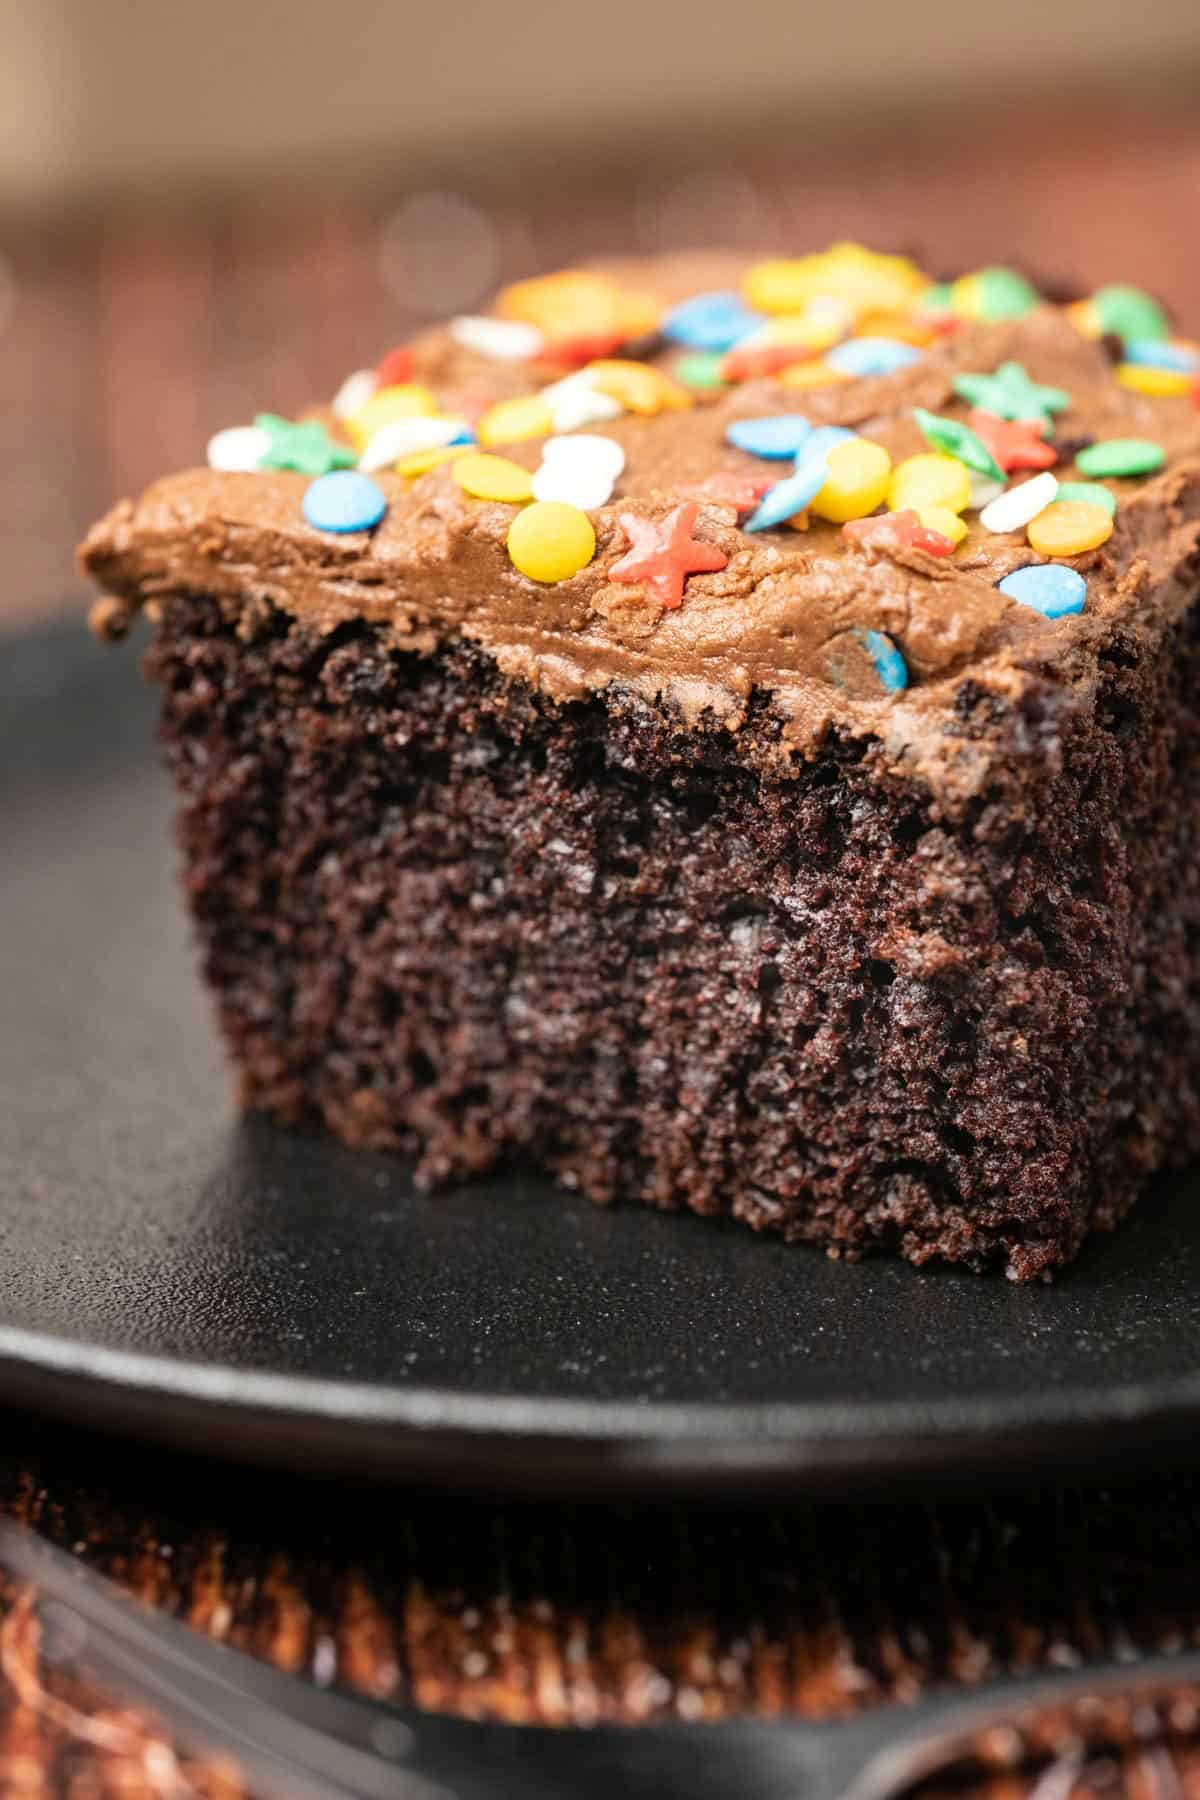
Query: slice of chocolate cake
point(725, 734)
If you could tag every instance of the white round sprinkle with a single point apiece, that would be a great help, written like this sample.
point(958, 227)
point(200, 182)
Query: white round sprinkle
point(1017, 505)
point(353, 394)
point(238, 447)
point(586, 488)
point(984, 489)
point(574, 402)
point(401, 437)
point(585, 447)
point(505, 340)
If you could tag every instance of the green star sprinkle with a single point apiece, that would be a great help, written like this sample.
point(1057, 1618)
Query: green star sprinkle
point(959, 440)
point(1011, 394)
point(306, 447)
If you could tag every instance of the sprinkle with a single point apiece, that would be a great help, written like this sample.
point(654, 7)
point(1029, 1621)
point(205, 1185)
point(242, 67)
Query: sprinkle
point(947, 524)
point(1069, 528)
point(1121, 456)
point(1011, 393)
point(983, 491)
point(1155, 355)
point(871, 356)
point(1052, 589)
point(397, 367)
point(1092, 493)
point(306, 447)
point(397, 401)
point(742, 492)
point(574, 402)
point(638, 387)
point(848, 272)
point(586, 446)
point(777, 437)
point(1018, 505)
point(856, 483)
point(955, 439)
point(405, 437)
point(1160, 384)
point(574, 304)
point(814, 374)
point(343, 501)
point(753, 360)
point(493, 478)
point(789, 497)
point(238, 447)
point(993, 293)
point(663, 554)
point(1015, 445)
point(930, 480)
point(897, 531)
point(889, 664)
point(1130, 313)
point(579, 470)
point(702, 369)
point(502, 340)
point(512, 421)
point(354, 393)
point(421, 461)
point(550, 541)
point(714, 321)
point(863, 662)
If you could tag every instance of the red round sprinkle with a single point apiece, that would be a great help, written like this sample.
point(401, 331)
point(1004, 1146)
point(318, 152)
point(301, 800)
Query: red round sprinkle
point(897, 531)
point(662, 554)
point(727, 488)
point(766, 359)
point(1015, 444)
point(397, 367)
point(575, 353)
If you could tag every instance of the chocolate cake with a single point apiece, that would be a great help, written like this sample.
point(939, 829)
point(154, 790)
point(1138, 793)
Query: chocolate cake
point(723, 733)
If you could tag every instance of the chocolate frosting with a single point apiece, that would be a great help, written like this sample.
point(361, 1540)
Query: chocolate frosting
point(437, 569)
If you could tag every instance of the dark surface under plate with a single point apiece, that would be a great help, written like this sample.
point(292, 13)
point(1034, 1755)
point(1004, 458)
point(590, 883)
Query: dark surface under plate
point(169, 1270)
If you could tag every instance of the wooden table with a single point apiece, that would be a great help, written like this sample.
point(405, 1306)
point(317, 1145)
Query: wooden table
point(125, 342)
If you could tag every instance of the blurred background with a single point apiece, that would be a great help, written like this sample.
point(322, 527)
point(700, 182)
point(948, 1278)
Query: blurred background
point(206, 211)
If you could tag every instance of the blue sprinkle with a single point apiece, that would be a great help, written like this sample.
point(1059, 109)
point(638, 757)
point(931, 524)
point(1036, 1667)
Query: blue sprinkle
point(715, 321)
point(788, 497)
point(465, 436)
point(1153, 355)
point(778, 436)
point(871, 356)
point(343, 501)
point(1050, 588)
point(889, 664)
point(820, 442)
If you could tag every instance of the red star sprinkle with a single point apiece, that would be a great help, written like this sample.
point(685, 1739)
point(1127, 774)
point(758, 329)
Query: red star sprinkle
point(897, 531)
point(662, 555)
point(1014, 444)
point(397, 367)
point(727, 488)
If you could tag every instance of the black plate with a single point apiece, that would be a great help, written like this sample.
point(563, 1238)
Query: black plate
point(169, 1270)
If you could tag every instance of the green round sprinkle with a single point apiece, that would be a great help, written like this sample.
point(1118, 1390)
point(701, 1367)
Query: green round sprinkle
point(956, 439)
point(1003, 294)
point(1122, 456)
point(937, 299)
point(1130, 313)
point(702, 369)
point(1091, 493)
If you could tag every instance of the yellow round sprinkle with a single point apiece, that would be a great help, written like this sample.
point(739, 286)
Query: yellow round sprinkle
point(493, 478)
point(639, 387)
point(930, 480)
point(1161, 383)
point(1069, 527)
point(578, 303)
point(862, 278)
point(419, 462)
point(902, 327)
point(813, 374)
point(857, 482)
point(550, 540)
point(821, 324)
point(406, 400)
point(511, 421)
point(940, 518)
